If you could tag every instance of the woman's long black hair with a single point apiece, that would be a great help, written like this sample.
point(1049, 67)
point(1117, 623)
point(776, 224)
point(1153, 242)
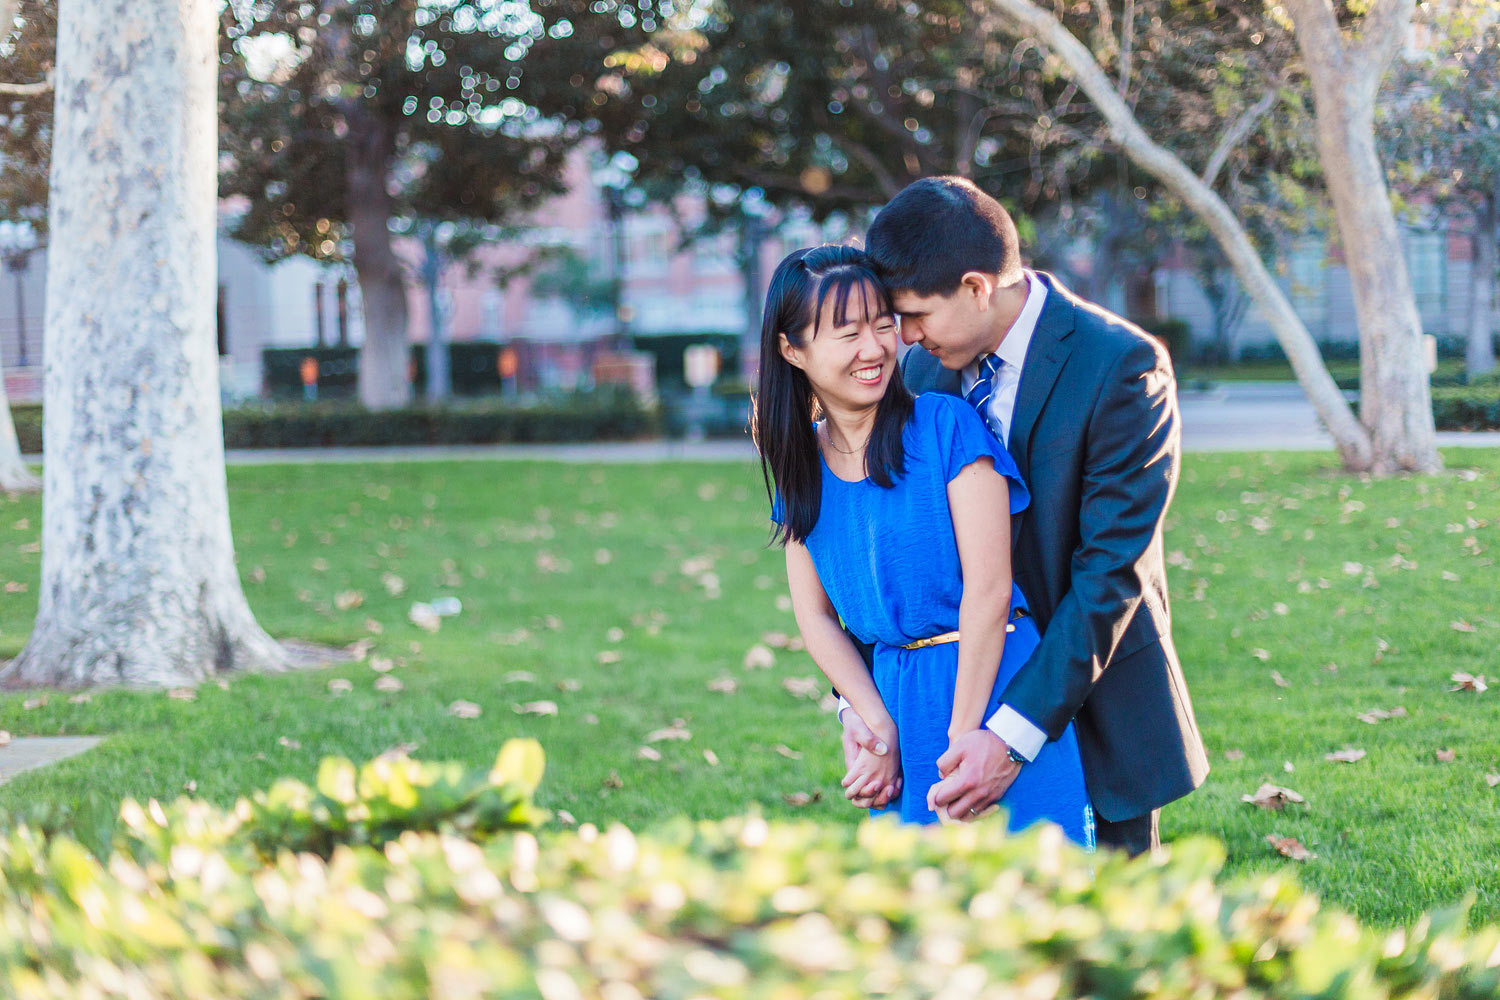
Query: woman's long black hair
point(785, 405)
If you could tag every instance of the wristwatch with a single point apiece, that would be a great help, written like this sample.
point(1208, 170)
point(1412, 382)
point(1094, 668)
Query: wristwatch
point(1015, 755)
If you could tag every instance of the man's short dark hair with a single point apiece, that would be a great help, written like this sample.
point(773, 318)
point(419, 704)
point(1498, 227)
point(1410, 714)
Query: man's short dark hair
point(935, 230)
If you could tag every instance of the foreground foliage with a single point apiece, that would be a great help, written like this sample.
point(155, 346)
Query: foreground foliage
point(423, 880)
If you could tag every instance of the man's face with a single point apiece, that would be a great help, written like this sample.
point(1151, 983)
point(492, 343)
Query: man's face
point(949, 327)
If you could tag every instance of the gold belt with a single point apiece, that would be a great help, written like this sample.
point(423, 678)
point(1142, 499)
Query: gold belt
point(938, 640)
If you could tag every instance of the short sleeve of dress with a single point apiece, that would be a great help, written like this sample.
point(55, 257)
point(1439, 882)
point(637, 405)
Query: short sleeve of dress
point(962, 437)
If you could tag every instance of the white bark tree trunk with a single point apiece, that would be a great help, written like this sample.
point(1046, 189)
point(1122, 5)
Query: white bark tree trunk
point(15, 477)
point(384, 381)
point(1350, 437)
point(1395, 397)
point(138, 578)
point(1479, 355)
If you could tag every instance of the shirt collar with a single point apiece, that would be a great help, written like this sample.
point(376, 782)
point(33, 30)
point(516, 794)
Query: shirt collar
point(1012, 349)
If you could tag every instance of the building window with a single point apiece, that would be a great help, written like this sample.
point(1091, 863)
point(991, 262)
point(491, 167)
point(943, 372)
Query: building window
point(1307, 268)
point(1425, 262)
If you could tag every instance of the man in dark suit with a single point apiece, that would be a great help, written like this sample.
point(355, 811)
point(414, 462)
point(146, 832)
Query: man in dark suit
point(1087, 405)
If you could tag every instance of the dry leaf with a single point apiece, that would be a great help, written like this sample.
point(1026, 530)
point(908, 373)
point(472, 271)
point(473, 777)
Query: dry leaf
point(536, 708)
point(190, 786)
point(759, 657)
point(603, 557)
point(802, 798)
point(802, 687)
point(613, 780)
point(614, 635)
point(783, 602)
point(1491, 778)
point(1279, 680)
point(1269, 796)
point(382, 664)
point(1468, 682)
point(648, 753)
point(81, 699)
point(289, 743)
point(461, 709)
point(1451, 577)
point(1446, 756)
point(788, 752)
point(1377, 715)
point(183, 694)
point(711, 757)
point(569, 685)
point(519, 677)
point(31, 703)
point(676, 731)
point(388, 684)
point(1234, 755)
point(724, 685)
point(1348, 755)
point(424, 617)
point(776, 640)
point(346, 600)
point(399, 750)
point(394, 585)
point(607, 656)
point(1261, 654)
point(340, 686)
point(360, 648)
point(1460, 626)
point(1288, 766)
point(1290, 847)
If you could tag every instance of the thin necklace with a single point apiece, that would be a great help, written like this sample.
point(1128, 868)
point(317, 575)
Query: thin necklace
point(853, 451)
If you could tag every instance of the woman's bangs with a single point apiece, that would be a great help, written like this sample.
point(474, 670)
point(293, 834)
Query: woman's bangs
point(841, 284)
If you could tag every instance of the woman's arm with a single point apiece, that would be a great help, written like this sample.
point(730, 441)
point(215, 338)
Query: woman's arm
point(830, 647)
point(979, 501)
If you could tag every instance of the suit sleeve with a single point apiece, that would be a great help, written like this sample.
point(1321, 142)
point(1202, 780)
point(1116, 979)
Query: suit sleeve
point(1131, 455)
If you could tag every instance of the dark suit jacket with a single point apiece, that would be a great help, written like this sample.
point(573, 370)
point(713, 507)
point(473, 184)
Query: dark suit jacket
point(1095, 433)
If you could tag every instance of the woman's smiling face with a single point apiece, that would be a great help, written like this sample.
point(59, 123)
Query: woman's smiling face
point(849, 354)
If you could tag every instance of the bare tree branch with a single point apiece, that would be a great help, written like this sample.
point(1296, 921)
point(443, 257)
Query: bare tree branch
point(1351, 438)
point(1236, 133)
point(26, 89)
point(1127, 46)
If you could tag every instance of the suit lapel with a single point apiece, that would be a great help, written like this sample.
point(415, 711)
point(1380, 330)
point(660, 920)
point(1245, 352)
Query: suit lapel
point(1045, 357)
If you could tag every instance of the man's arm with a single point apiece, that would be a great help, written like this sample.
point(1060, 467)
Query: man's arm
point(1130, 471)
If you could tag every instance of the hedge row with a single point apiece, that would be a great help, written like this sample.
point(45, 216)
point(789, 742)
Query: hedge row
point(596, 416)
point(195, 901)
point(1467, 408)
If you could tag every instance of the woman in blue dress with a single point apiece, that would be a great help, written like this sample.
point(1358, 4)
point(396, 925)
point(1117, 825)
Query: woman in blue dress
point(895, 516)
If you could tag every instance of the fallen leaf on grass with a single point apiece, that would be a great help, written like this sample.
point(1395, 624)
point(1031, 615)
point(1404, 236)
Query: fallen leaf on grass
point(388, 684)
point(613, 780)
point(461, 709)
point(347, 600)
point(1377, 715)
point(783, 602)
point(1234, 755)
point(711, 757)
point(190, 786)
point(1269, 796)
point(777, 640)
point(800, 799)
point(802, 687)
point(382, 664)
point(1261, 654)
point(1348, 755)
point(536, 708)
point(1491, 778)
point(1460, 626)
point(399, 750)
point(289, 743)
point(31, 703)
point(603, 557)
point(607, 656)
point(676, 731)
point(648, 753)
point(519, 677)
point(182, 694)
point(724, 685)
point(1289, 847)
point(424, 617)
point(614, 635)
point(759, 657)
point(569, 685)
point(1446, 756)
point(788, 752)
point(1279, 680)
point(360, 649)
point(1468, 682)
point(1451, 576)
point(340, 686)
point(81, 699)
point(1288, 766)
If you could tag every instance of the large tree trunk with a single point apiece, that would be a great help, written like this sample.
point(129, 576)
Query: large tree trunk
point(1350, 437)
point(138, 578)
point(1395, 398)
point(439, 377)
point(15, 477)
point(384, 382)
point(1479, 355)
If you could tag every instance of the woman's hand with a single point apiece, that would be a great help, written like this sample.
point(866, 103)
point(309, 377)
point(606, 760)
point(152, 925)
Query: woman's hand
point(874, 779)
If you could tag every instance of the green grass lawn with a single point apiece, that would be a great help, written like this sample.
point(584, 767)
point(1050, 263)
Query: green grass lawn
point(621, 593)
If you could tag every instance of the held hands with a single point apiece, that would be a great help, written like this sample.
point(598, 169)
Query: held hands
point(976, 772)
point(873, 765)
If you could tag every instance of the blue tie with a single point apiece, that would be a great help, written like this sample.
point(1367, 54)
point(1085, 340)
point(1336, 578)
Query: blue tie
point(980, 392)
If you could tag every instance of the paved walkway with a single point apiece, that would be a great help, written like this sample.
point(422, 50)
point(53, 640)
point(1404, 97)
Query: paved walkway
point(1236, 416)
point(23, 753)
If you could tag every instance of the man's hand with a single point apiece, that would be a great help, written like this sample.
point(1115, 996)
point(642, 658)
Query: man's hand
point(977, 771)
point(860, 788)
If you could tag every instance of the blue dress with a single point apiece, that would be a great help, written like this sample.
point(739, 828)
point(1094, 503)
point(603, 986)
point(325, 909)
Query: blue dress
point(888, 560)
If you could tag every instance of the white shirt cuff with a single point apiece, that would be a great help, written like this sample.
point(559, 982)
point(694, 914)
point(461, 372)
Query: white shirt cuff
point(843, 704)
point(1018, 732)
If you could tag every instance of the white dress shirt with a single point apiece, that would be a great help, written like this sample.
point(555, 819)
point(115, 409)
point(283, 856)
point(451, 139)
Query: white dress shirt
point(1018, 732)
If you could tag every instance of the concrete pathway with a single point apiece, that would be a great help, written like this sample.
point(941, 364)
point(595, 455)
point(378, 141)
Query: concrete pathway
point(1234, 416)
point(23, 753)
